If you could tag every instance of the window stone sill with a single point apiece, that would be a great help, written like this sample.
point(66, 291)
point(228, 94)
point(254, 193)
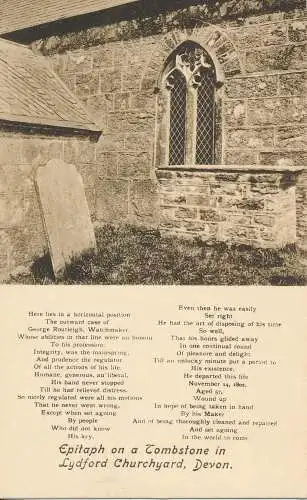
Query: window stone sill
point(233, 168)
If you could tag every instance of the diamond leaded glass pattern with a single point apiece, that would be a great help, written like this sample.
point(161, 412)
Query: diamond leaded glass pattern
point(178, 101)
point(205, 119)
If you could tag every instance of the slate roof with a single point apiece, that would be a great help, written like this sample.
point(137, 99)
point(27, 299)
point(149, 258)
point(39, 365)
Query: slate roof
point(20, 14)
point(31, 93)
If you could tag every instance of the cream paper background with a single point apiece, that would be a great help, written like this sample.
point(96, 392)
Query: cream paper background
point(270, 464)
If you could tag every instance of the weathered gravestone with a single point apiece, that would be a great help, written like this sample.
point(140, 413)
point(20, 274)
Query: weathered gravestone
point(65, 213)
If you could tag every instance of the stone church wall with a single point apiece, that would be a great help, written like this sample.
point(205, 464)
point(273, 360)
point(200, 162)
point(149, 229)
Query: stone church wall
point(22, 238)
point(257, 193)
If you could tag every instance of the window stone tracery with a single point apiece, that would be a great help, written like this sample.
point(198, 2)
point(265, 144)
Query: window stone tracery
point(188, 101)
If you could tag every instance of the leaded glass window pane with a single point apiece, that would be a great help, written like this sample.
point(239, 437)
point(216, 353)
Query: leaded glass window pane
point(178, 102)
point(205, 119)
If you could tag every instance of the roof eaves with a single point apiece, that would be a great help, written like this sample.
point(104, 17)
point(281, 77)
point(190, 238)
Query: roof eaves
point(59, 124)
point(69, 12)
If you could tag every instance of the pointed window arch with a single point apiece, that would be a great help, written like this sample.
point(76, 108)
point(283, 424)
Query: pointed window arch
point(189, 88)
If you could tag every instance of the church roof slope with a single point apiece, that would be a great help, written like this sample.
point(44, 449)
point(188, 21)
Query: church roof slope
point(32, 93)
point(20, 14)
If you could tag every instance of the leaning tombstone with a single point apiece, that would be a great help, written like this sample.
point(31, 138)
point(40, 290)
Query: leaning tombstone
point(65, 213)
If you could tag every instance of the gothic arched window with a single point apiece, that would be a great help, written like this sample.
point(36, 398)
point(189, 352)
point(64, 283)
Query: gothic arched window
point(188, 127)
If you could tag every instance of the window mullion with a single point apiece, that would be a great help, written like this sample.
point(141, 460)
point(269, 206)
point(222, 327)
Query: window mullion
point(191, 125)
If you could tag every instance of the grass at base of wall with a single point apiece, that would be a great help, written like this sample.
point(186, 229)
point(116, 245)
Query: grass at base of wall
point(134, 256)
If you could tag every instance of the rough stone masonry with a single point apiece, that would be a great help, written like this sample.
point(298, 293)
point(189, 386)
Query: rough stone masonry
point(115, 66)
point(255, 192)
